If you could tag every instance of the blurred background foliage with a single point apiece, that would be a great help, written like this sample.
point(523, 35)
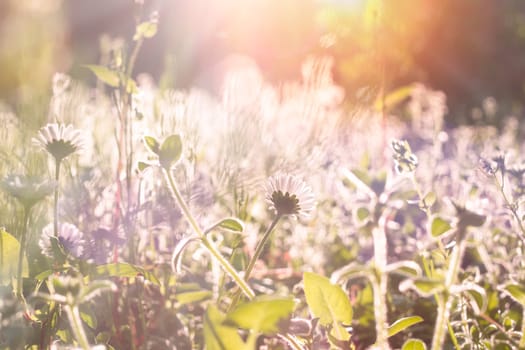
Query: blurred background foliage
point(470, 49)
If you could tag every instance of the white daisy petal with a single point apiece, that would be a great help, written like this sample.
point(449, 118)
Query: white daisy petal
point(289, 195)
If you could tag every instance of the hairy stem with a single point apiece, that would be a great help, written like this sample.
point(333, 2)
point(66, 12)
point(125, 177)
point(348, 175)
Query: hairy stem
point(522, 339)
point(76, 326)
point(258, 250)
point(55, 207)
point(379, 287)
point(512, 207)
point(260, 247)
point(21, 254)
point(225, 264)
point(444, 299)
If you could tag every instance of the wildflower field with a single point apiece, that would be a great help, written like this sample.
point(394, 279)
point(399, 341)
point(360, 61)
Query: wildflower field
point(262, 216)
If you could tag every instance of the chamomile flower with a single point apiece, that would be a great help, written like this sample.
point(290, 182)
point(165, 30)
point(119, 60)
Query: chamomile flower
point(289, 195)
point(70, 238)
point(59, 140)
point(27, 189)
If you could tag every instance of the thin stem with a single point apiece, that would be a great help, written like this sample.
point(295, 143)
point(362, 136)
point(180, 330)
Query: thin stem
point(258, 250)
point(21, 254)
point(512, 208)
point(205, 241)
point(260, 247)
point(426, 207)
point(379, 288)
point(452, 335)
point(76, 326)
point(133, 59)
point(55, 208)
point(444, 299)
point(522, 339)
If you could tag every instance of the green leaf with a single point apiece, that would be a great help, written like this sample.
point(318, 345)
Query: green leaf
point(87, 314)
point(352, 271)
point(112, 78)
point(43, 275)
point(170, 151)
point(105, 74)
point(146, 29)
point(9, 250)
point(402, 324)
point(428, 200)
point(476, 295)
point(423, 286)
point(192, 297)
point(328, 302)
point(439, 226)
point(405, 268)
point(358, 180)
point(152, 144)
point(176, 258)
point(230, 224)
point(143, 166)
point(515, 291)
point(264, 314)
point(95, 288)
point(414, 344)
point(124, 270)
point(393, 98)
point(188, 293)
point(218, 336)
point(362, 214)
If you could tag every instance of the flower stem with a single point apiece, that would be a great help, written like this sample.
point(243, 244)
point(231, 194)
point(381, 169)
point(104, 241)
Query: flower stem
point(379, 287)
point(512, 207)
point(522, 339)
point(255, 257)
point(76, 326)
point(444, 299)
point(21, 254)
point(205, 241)
point(260, 247)
point(55, 207)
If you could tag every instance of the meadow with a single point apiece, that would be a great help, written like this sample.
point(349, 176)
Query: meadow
point(266, 216)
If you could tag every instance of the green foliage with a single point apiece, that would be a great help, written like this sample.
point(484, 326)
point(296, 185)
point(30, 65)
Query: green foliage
point(402, 324)
point(439, 226)
point(393, 98)
point(231, 224)
point(146, 30)
point(9, 250)
point(123, 270)
point(384, 239)
point(170, 151)
point(228, 224)
point(112, 78)
point(516, 291)
point(423, 286)
point(152, 144)
point(329, 303)
point(105, 74)
point(265, 314)
point(414, 344)
point(218, 336)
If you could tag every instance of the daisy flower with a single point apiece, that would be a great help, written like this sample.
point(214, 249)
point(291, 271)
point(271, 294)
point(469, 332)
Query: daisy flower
point(27, 189)
point(69, 236)
point(289, 195)
point(59, 140)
